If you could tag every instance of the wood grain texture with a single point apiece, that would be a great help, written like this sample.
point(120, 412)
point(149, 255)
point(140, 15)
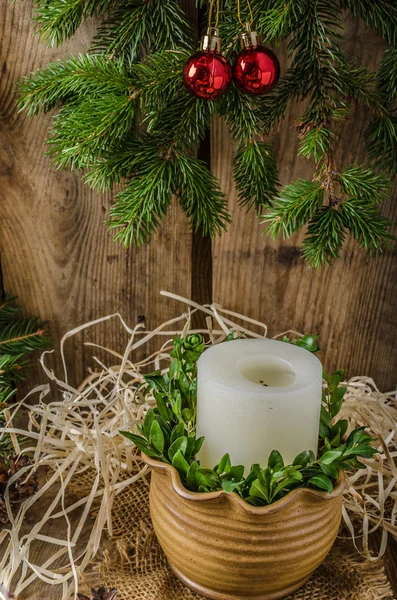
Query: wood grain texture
point(56, 254)
point(352, 304)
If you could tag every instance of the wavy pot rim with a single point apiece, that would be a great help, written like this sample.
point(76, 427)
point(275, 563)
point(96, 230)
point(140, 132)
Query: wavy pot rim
point(183, 492)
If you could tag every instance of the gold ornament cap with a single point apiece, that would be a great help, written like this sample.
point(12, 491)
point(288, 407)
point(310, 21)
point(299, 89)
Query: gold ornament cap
point(211, 42)
point(249, 39)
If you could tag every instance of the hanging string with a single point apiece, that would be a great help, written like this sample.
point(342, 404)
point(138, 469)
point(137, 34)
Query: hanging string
point(239, 13)
point(212, 3)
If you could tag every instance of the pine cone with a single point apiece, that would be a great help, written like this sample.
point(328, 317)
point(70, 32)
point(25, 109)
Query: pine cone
point(22, 487)
point(100, 594)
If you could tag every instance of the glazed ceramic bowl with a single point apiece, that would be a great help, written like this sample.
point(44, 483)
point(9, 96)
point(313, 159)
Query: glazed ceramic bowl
point(226, 549)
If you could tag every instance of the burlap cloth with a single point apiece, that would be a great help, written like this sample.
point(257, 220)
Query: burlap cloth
point(136, 565)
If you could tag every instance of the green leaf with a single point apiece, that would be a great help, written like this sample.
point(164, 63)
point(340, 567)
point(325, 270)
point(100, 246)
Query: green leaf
point(340, 427)
point(325, 417)
point(321, 481)
point(355, 435)
point(207, 478)
point(330, 456)
point(197, 445)
point(188, 414)
point(287, 483)
point(179, 445)
point(180, 463)
point(156, 436)
point(174, 368)
point(177, 405)
point(184, 385)
point(336, 399)
point(162, 407)
point(189, 452)
point(147, 423)
point(329, 470)
point(334, 381)
point(275, 460)
point(156, 382)
point(304, 458)
point(141, 444)
point(308, 342)
point(224, 465)
point(177, 432)
point(191, 476)
point(259, 490)
point(229, 485)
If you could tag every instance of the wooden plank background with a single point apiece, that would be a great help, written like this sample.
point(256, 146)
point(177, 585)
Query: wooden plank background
point(61, 261)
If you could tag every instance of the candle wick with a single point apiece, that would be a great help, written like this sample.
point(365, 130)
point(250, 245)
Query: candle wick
point(263, 383)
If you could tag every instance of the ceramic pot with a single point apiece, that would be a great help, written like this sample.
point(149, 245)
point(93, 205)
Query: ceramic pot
point(226, 549)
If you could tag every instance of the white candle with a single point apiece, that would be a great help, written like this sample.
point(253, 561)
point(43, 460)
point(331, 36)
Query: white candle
point(255, 396)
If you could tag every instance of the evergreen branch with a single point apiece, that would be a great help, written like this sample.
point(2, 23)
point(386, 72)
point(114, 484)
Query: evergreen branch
point(381, 136)
point(294, 207)
point(278, 20)
point(359, 84)
point(200, 196)
point(139, 208)
point(119, 163)
point(58, 20)
point(159, 78)
point(83, 130)
point(379, 15)
point(170, 112)
point(367, 225)
point(135, 25)
point(83, 75)
point(11, 367)
point(359, 182)
point(387, 76)
point(242, 114)
point(315, 140)
point(325, 236)
point(125, 32)
point(255, 174)
point(22, 336)
point(8, 308)
point(184, 123)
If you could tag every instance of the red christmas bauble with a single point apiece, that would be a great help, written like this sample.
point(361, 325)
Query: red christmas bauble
point(207, 75)
point(256, 70)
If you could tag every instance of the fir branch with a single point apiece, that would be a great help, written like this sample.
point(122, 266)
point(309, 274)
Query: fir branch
point(325, 236)
point(242, 114)
point(83, 130)
point(8, 308)
point(119, 163)
point(367, 225)
point(139, 208)
point(359, 182)
point(104, 95)
point(200, 196)
point(315, 140)
point(255, 174)
point(159, 78)
point(58, 20)
point(379, 15)
point(22, 336)
point(381, 136)
point(11, 367)
point(83, 75)
point(387, 76)
point(135, 25)
point(278, 20)
point(294, 207)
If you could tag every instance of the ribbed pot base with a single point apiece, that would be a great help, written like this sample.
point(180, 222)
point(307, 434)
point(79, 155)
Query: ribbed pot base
point(214, 595)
